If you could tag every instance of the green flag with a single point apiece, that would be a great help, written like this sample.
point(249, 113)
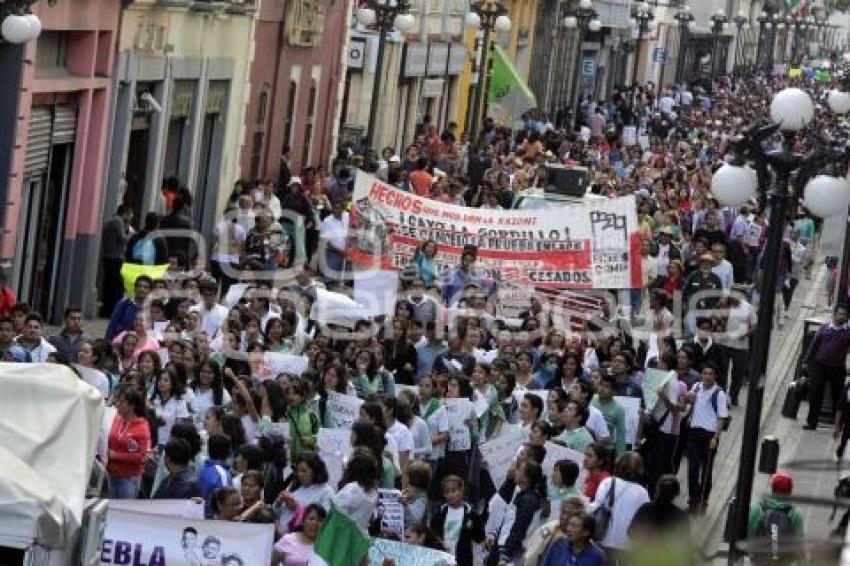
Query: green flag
point(340, 543)
point(507, 90)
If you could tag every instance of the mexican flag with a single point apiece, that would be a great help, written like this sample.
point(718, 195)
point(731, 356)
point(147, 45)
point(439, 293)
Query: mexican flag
point(507, 90)
point(340, 542)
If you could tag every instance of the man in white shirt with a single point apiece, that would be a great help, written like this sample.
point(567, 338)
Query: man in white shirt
point(212, 314)
point(735, 342)
point(32, 341)
point(708, 414)
point(333, 232)
point(722, 268)
point(665, 105)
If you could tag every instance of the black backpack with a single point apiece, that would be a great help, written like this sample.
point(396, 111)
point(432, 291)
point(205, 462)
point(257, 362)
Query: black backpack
point(775, 529)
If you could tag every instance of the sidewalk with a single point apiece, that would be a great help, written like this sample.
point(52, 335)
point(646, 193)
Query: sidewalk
point(796, 445)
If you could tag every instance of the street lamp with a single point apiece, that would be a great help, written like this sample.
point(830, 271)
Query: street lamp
point(791, 111)
point(642, 14)
point(487, 15)
point(719, 23)
point(742, 22)
point(685, 19)
point(385, 15)
point(768, 27)
point(582, 19)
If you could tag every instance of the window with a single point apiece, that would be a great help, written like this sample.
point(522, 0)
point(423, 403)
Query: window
point(308, 126)
point(290, 113)
point(258, 143)
point(50, 53)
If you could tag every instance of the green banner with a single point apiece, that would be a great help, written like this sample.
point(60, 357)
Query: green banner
point(507, 89)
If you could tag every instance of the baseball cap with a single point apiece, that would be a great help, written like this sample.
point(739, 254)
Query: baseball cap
point(781, 482)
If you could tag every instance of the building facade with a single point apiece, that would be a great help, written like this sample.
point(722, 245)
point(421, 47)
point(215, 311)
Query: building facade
point(295, 83)
point(182, 82)
point(53, 202)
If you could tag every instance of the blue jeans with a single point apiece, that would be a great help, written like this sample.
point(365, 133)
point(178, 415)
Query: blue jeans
point(124, 488)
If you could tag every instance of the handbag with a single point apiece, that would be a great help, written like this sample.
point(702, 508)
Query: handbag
point(602, 514)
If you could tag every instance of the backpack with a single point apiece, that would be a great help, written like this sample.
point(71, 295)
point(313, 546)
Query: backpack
point(724, 423)
point(776, 528)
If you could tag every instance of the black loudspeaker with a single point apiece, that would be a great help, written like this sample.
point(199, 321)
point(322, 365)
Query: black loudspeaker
point(769, 456)
point(567, 181)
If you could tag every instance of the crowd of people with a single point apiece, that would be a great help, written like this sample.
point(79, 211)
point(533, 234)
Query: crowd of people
point(187, 358)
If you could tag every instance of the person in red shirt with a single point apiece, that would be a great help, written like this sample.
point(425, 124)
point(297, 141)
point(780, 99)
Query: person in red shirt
point(7, 297)
point(420, 179)
point(597, 462)
point(129, 443)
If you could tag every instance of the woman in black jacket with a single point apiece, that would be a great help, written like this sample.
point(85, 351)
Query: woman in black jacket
point(400, 356)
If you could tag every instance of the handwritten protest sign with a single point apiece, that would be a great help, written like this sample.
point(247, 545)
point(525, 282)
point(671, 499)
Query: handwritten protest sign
point(582, 246)
point(631, 405)
point(556, 452)
point(342, 410)
point(407, 555)
point(457, 411)
point(391, 511)
point(500, 452)
point(334, 445)
point(277, 364)
point(653, 381)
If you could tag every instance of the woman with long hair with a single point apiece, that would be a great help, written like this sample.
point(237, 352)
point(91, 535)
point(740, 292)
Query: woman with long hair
point(209, 390)
point(149, 366)
point(129, 443)
point(425, 262)
point(168, 403)
point(254, 509)
point(296, 548)
point(400, 356)
point(310, 487)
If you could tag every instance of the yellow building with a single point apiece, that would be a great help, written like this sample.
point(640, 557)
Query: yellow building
point(517, 43)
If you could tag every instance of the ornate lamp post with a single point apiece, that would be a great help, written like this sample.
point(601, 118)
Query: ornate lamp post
point(487, 15)
point(767, 40)
point(686, 22)
point(642, 14)
point(583, 19)
point(742, 23)
point(385, 15)
point(719, 23)
point(733, 184)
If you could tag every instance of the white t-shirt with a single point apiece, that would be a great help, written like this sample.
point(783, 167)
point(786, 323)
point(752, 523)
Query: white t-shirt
point(628, 498)
point(421, 438)
point(403, 439)
point(202, 402)
point(738, 323)
point(211, 320)
point(438, 423)
point(596, 423)
point(169, 411)
point(357, 504)
point(703, 414)
point(452, 528)
point(335, 231)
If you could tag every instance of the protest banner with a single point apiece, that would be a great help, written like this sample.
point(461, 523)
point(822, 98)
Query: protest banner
point(457, 411)
point(582, 246)
point(653, 381)
point(176, 508)
point(342, 409)
point(556, 452)
point(156, 540)
point(407, 554)
point(501, 451)
point(391, 511)
point(334, 445)
point(277, 364)
point(631, 405)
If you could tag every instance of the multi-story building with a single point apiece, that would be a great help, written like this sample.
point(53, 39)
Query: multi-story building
point(295, 82)
point(182, 82)
point(52, 203)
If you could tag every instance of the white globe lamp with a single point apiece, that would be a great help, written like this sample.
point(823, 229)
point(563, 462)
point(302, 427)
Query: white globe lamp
point(692, 26)
point(594, 25)
point(18, 29)
point(792, 108)
point(733, 185)
point(827, 196)
point(503, 23)
point(585, 4)
point(839, 102)
point(570, 22)
point(366, 16)
point(473, 20)
point(404, 22)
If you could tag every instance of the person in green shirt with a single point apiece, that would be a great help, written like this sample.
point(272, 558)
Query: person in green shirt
point(303, 421)
point(574, 436)
point(615, 415)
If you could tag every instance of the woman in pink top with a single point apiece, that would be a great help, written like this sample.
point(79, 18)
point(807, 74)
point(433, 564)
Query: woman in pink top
point(296, 548)
point(146, 342)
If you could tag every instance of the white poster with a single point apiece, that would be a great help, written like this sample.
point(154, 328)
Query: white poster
point(457, 411)
point(342, 410)
point(277, 364)
point(407, 555)
point(376, 292)
point(629, 135)
point(499, 453)
point(631, 405)
point(155, 540)
point(334, 445)
point(175, 508)
point(556, 452)
point(391, 511)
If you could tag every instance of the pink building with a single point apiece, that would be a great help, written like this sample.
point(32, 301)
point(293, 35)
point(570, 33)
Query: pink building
point(295, 76)
point(51, 216)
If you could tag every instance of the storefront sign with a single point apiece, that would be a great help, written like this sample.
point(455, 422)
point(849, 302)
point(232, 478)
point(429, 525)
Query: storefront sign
point(438, 58)
point(458, 57)
point(356, 53)
point(415, 60)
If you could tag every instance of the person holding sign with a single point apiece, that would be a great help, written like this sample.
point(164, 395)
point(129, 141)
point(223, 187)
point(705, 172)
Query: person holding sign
point(434, 413)
point(463, 429)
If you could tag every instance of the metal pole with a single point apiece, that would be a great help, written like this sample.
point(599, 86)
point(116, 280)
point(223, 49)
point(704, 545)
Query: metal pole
point(683, 51)
point(376, 87)
point(637, 54)
point(577, 77)
point(480, 89)
point(844, 273)
point(783, 164)
point(11, 66)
